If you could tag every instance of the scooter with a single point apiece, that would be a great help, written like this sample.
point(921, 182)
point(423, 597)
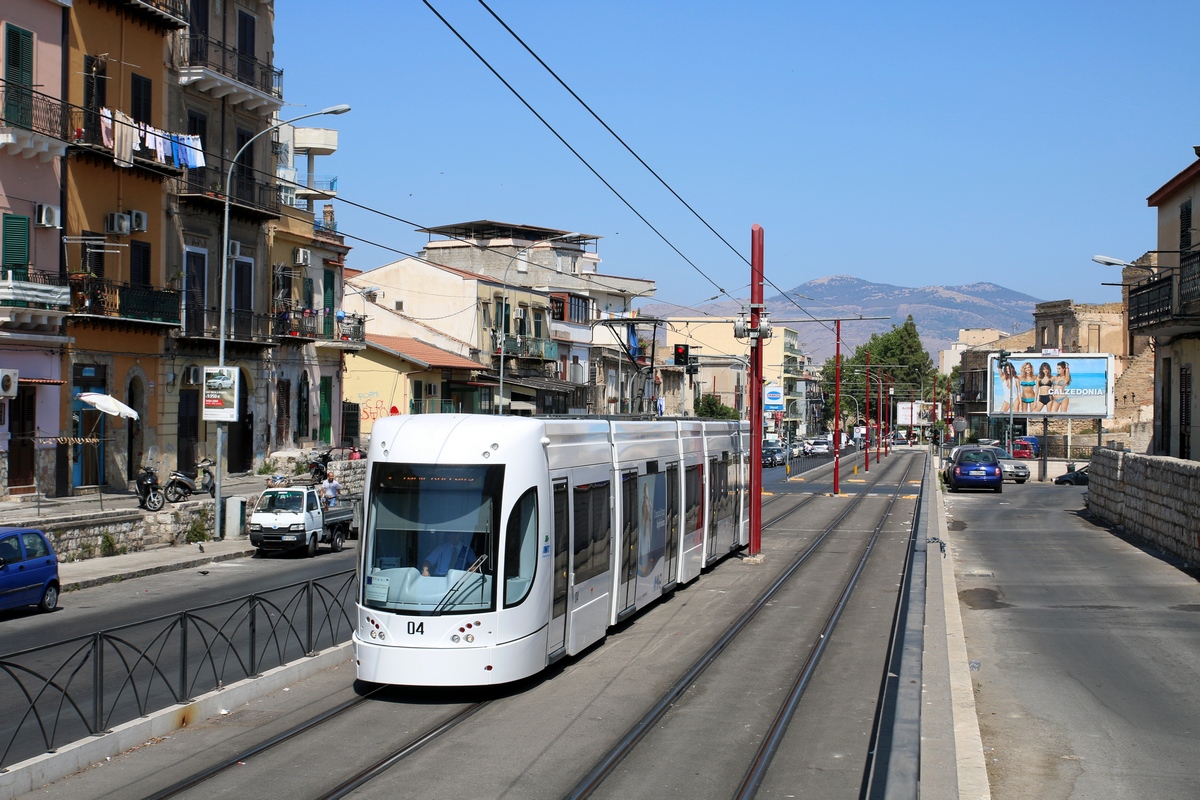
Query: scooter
point(182, 484)
point(150, 494)
point(318, 465)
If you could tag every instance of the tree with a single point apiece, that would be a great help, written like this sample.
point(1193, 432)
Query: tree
point(710, 407)
point(906, 360)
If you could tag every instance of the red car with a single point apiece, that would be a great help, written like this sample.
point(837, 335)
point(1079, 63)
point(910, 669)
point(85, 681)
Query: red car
point(1022, 450)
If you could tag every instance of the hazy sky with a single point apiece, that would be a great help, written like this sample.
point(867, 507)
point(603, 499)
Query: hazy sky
point(911, 143)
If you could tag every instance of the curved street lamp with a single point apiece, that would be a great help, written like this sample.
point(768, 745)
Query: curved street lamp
point(226, 263)
point(504, 299)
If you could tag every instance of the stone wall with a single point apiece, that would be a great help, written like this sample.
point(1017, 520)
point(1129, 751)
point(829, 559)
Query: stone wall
point(1154, 497)
point(81, 536)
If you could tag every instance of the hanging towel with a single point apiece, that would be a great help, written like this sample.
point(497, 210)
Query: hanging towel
point(106, 127)
point(124, 133)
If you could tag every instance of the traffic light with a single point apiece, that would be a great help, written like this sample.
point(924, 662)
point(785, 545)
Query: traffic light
point(1002, 358)
point(681, 355)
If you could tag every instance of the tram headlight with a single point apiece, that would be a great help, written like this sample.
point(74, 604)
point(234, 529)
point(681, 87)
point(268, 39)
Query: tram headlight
point(470, 637)
point(454, 638)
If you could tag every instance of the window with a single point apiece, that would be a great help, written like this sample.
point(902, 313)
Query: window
point(579, 312)
point(142, 94)
point(1185, 225)
point(399, 305)
point(139, 264)
point(592, 531)
point(1185, 412)
point(537, 324)
point(14, 241)
point(521, 549)
point(18, 76)
point(10, 549)
point(35, 545)
point(692, 499)
point(197, 125)
point(92, 254)
point(95, 96)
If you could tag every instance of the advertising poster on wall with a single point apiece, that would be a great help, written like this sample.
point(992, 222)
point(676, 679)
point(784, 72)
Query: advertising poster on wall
point(1065, 385)
point(220, 394)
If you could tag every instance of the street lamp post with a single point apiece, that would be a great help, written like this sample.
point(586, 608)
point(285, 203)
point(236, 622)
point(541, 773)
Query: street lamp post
point(504, 301)
point(226, 264)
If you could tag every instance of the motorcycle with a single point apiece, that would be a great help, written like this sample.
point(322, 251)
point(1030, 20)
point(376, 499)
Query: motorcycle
point(150, 494)
point(318, 465)
point(183, 484)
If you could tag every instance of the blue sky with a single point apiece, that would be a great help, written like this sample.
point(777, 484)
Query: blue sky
point(910, 143)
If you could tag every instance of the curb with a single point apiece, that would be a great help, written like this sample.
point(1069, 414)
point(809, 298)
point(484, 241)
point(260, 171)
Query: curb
point(37, 772)
point(174, 566)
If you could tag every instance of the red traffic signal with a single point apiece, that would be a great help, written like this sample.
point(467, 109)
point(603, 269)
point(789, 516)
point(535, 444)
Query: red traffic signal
point(681, 355)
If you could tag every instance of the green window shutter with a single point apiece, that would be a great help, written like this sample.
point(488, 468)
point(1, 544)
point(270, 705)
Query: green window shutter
point(14, 241)
point(18, 56)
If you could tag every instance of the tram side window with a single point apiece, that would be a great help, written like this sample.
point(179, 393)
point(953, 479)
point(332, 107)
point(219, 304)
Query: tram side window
point(629, 527)
point(723, 500)
point(592, 524)
point(520, 549)
point(692, 486)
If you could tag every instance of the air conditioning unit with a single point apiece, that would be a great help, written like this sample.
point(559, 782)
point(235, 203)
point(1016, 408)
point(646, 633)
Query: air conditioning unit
point(193, 376)
point(302, 257)
point(519, 313)
point(235, 248)
point(118, 224)
point(48, 216)
point(137, 220)
point(8, 383)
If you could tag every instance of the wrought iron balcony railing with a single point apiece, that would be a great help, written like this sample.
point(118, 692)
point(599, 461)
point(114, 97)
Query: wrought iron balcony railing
point(203, 51)
point(99, 297)
point(1150, 301)
point(22, 287)
point(24, 108)
point(528, 347)
point(244, 190)
point(296, 325)
point(240, 324)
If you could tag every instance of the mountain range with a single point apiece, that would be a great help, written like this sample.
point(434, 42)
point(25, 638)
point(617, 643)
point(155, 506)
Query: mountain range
point(938, 311)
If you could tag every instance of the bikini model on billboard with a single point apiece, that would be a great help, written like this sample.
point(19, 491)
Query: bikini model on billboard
point(1028, 387)
point(1045, 384)
point(1061, 381)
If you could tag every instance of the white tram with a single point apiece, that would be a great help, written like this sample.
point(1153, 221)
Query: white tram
point(493, 546)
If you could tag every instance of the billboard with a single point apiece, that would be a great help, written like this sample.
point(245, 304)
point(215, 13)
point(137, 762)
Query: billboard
point(916, 414)
point(220, 394)
point(1065, 385)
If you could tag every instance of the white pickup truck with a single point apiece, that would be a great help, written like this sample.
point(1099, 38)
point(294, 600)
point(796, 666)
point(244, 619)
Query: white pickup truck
point(293, 517)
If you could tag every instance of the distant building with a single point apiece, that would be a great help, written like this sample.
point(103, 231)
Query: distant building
point(967, 337)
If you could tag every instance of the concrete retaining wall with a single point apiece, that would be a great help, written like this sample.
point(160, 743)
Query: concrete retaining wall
point(1154, 497)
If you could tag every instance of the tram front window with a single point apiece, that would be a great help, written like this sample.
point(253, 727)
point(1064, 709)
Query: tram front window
point(431, 543)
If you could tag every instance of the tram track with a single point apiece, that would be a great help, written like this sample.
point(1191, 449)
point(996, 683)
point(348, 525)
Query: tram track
point(651, 721)
point(430, 732)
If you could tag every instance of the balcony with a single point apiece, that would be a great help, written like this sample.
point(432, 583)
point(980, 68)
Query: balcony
point(86, 134)
point(98, 297)
point(327, 232)
point(295, 326)
point(215, 68)
point(207, 184)
point(170, 14)
point(33, 124)
point(32, 300)
point(241, 325)
point(528, 347)
point(310, 187)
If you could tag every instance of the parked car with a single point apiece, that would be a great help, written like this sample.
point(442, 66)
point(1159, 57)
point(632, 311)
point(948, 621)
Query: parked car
point(1078, 477)
point(1022, 450)
point(1013, 470)
point(28, 569)
point(772, 456)
point(976, 468)
point(1033, 442)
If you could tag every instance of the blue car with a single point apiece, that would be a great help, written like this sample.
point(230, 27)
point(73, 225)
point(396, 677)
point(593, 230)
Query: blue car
point(975, 469)
point(28, 569)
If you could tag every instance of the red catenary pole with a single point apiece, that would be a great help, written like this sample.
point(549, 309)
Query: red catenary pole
point(837, 402)
point(867, 417)
point(756, 389)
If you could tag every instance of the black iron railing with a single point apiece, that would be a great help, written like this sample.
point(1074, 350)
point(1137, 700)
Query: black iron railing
point(35, 297)
point(60, 693)
point(295, 325)
point(105, 298)
point(1189, 277)
point(243, 190)
point(240, 324)
point(353, 328)
point(177, 10)
point(1150, 300)
point(203, 51)
point(529, 347)
point(24, 108)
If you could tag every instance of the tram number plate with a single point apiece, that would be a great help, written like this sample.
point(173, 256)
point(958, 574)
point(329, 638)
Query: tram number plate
point(416, 629)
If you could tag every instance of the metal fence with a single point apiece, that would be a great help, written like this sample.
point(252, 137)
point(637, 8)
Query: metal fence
point(60, 693)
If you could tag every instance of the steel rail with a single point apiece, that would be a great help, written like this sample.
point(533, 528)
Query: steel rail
point(770, 743)
point(596, 776)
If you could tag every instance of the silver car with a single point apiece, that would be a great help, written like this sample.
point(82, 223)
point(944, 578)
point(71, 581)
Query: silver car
point(1013, 469)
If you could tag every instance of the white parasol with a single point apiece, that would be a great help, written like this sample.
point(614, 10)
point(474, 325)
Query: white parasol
point(108, 404)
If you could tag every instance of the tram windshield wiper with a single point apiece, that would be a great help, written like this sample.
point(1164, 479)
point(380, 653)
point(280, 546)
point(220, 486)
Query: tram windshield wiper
point(458, 584)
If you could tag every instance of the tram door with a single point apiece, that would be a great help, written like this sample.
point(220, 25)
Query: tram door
point(627, 583)
point(671, 556)
point(562, 569)
point(714, 488)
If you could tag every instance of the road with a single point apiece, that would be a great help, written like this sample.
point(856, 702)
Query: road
point(1084, 649)
point(104, 607)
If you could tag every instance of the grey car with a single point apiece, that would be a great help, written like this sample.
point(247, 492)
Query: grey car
point(1013, 469)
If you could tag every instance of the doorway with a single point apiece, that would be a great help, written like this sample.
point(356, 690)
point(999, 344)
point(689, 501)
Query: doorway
point(22, 449)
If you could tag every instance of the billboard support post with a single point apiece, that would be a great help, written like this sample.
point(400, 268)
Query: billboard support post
point(1045, 449)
